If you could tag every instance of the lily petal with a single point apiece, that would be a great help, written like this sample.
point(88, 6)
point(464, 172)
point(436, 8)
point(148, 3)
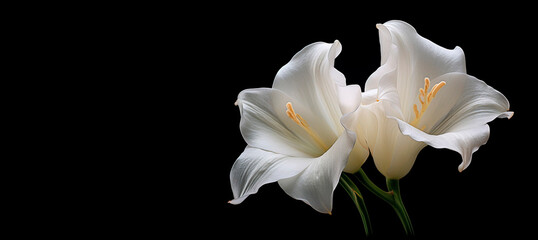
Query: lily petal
point(316, 183)
point(458, 116)
point(393, 152)
point(310, 77)
point(353, 122)
point(416, 58)
point(464, 141)
point(464, 102)
point(256, 167)
point(432, 59)
point(349, 98)
point(265, 124)
point(388, 66)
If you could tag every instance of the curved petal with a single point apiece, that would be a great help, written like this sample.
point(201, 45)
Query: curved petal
point(385, 43)
point(464, 102)
point(265, 124)
point(417, 58)
point(393, 152)
point(389, 60)
point(457, 118)
point(359, 154)
point(349, 98)
point(310, 77)
point(256, 167)
point(369, 97)
point(316, 183)
point(463, 141)
point(428, 58)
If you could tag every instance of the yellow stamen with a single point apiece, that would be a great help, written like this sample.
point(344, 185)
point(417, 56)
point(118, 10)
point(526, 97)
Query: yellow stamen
point(437, 87)
point(425, 98)
point(416, 110)
point(302, 123)
point(426, 84)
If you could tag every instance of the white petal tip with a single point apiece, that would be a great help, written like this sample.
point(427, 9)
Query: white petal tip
point(509, 114)
point(236, 102)
point(378, 25)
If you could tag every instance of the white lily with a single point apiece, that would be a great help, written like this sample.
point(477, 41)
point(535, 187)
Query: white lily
point(293, 130)
point(419, 96)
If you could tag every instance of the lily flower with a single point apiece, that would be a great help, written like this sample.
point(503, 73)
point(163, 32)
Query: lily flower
point(421, 95)
point(293, 131)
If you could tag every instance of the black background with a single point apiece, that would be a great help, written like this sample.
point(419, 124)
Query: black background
point(183, 185)
point(490, 198)
point(143, 104)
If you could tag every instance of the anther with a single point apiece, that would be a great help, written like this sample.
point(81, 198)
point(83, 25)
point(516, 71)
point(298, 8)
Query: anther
point(437, 87)
point(426, 84)
point(425, 98)
point(416, 110)
point(302, 123)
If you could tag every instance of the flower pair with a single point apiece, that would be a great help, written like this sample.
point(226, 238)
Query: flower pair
point(311, 126)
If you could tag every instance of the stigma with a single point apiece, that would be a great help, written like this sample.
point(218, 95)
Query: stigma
point(425, 97)
point(303, 124)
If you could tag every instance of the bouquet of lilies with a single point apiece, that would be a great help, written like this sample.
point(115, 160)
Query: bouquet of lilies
point(311, 131)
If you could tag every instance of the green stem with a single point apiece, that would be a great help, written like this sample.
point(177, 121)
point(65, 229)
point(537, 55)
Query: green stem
point(356, 197)
point(394, 186)
point(392, 197)
point(366, 182)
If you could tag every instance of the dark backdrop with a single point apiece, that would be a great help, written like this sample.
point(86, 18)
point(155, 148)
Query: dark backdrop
point(232, 47)
point(148, 150)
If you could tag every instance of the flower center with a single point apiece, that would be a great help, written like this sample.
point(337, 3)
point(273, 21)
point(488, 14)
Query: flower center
point(425, 99)
point(302, 123)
